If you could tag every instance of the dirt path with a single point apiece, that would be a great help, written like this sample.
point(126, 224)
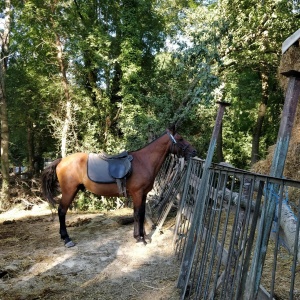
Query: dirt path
point(105, 264)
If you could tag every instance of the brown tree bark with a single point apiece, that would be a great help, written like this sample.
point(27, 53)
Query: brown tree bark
point(63, 65)
point(260, 117)
point(68, 103)
point(30, 147)
point(4, 48)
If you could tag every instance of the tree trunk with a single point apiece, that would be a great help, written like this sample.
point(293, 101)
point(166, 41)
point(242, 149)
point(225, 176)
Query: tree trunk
point(260, 118)
point(30, 147)
point(67, 97)
point(62, 65)
point(4, 145)
point(4, 40)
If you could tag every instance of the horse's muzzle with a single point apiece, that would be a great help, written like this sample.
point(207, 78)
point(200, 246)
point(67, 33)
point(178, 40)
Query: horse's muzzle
point(190, 154)
point(194, 153)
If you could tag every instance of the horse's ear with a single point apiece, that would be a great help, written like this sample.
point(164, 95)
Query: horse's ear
point(172, 128)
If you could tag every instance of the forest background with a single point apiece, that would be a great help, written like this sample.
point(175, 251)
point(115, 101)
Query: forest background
point(101, 75)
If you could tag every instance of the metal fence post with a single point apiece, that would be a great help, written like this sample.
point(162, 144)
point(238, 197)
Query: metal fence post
point(190, 248)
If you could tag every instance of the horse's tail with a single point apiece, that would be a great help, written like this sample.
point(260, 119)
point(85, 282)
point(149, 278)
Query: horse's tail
point(49, 182)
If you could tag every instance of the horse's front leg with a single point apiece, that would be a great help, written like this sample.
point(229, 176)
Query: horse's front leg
point(139, 206)
point(62, 227)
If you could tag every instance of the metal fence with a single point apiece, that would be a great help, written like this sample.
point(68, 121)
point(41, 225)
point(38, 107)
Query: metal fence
point(221, 261)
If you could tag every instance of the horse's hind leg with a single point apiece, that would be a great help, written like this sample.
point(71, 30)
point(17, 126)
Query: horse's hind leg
point(62, 211)
point(63, 229)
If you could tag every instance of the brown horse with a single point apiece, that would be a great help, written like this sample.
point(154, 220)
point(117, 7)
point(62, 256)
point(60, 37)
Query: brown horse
point(71, 174)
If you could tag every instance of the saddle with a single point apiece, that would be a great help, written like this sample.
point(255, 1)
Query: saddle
point(104, 168)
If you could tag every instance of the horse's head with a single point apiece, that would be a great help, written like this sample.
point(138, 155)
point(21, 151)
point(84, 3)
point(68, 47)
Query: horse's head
point(180, 146)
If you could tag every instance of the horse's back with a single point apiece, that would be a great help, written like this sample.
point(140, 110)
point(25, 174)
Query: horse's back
point(75, 158)
point(72, 165)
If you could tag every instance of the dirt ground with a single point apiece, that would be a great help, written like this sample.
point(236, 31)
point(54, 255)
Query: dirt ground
point(106, 262)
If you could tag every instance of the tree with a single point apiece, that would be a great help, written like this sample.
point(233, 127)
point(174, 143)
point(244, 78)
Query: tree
point(186, 82)
point(85, 50)
point(252, 43)
point(107, 75)
point(117, 45)
point(62, 63)
point(4, 48)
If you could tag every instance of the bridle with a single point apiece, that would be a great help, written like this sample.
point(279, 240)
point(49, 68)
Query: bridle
point(175, 143)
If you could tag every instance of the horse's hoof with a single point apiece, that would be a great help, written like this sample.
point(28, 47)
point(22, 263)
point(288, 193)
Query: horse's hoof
point(149, 237)
point(141, 240)
point(70, 244)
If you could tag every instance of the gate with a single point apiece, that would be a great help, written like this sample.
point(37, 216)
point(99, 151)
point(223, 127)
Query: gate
point(224, 263)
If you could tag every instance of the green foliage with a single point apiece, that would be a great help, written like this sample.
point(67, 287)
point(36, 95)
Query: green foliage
point(251, 46)
point(87, 201)
point(238, 147)
point(133, 67)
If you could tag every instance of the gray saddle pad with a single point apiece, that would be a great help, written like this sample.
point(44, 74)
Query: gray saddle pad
point(107, 171)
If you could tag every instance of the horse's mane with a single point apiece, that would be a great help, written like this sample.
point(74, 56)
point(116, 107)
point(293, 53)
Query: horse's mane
point(149, 143)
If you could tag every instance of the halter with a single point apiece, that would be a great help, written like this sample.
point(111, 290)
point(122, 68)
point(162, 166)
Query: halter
point(172, 137)
point(175, 143)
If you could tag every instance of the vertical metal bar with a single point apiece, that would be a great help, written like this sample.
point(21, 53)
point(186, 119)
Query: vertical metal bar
point(288, 116)
point(207, 236)
point(251, 279)
point(224, 235)
point(245, 288)
point(286, 124)
point(190, 247)
point(279, 205)
point(196, 271)
point(238, 241)
point(224, 179)
point(247, 231)
point(227, 284)
point(217, 212)
point(296, 249)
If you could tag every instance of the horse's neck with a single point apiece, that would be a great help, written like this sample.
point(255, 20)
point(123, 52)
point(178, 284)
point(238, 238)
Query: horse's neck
point(154, 154)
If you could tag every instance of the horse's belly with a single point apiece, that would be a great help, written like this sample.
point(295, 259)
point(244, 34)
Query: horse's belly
point(103, 189)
